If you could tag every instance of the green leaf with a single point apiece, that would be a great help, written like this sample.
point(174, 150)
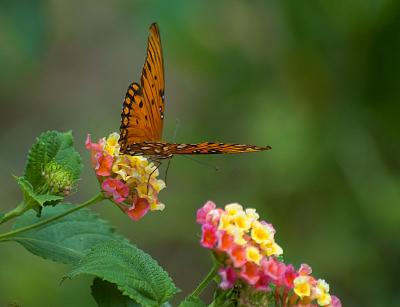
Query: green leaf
point(135, 273)
point(30, 197)
point(52, 146)
point(65, 240)
point(226, 298)
point(107, 295)
point(192, 301)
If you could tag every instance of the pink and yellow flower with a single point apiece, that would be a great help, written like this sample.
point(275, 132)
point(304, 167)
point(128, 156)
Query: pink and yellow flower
point(302, 286)
point(246, 248)
point(115, 188)
point(130, 181)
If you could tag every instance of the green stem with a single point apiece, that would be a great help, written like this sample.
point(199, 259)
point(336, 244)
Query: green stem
point(93, 200)
point(17, 211)
point(203, 284)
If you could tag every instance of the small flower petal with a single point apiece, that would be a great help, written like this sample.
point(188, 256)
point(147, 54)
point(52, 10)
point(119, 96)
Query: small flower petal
point(115, 188)
point(228, 277)
point(253, 254)
point(139, 209)
point(238, 256)
point(250, 273)
point(203, 211)
point(209, 237)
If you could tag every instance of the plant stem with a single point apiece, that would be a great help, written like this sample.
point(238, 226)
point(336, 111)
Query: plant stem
point(18, 210)
point(91, 201)
point(203, 284)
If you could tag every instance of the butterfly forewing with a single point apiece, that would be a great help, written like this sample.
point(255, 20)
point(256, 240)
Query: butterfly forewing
point(143, 114)
point(143, 109)
point(166, 150)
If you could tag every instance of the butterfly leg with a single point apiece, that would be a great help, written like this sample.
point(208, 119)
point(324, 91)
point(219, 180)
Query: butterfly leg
point(157, 163)
point(166, 170)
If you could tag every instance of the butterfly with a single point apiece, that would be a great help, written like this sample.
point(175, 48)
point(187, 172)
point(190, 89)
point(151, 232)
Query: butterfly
point(142, 115)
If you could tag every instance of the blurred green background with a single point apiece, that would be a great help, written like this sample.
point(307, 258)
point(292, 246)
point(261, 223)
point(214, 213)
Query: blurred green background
point(319, 81)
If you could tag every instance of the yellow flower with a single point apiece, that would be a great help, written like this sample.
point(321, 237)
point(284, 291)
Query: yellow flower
point(122, 167)
point(225, 222)
point(237, 235)
point(233, 209)
point(252, 214)
point(242, 221)
point(151, 170)
point(323, 285)
point(112, 146)
point(261, 233)
point(157, 184)
point(253, 254)
point(322, 293)
point(271, 248)
point(157, 206)
point(324, 299)
point(302, 286)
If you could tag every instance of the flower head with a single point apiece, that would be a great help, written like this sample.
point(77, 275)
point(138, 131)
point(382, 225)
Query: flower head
point(59, 180)
point(246, 248)
point(130, 181)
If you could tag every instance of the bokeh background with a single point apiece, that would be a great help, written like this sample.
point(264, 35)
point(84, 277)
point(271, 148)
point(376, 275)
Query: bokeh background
point(319, 81)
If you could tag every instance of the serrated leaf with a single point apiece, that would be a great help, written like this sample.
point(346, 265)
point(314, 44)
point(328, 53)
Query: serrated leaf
point(30, 195)
point(192, 301)
point(135, 273)
point(65, 240)
point(31, 198)
point(107, 294)
point(52, 146)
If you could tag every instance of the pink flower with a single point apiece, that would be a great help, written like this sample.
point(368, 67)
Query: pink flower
point(335, 301)
point(289, 275)
point(274, 269)
point(208, 238)
point(228, 277)
point(93, 146)
point(203, 211)
point(214, 216)
point(305, 269)
point(263, 282)
point(103, 164)
point(250, 273)
point(238, 256)
point(101, 160)
point(225, 241)
point(139, 208)
point(115, 188)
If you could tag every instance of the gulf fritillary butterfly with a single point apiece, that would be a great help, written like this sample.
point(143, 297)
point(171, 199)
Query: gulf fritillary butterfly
point(143, 114)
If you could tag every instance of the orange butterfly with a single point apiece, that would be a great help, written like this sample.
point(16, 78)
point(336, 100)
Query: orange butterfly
point(143, 114)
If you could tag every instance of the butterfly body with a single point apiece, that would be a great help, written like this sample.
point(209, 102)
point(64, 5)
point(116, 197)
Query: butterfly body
point(142, 115)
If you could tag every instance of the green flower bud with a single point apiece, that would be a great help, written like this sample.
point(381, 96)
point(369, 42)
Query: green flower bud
point(58, 179)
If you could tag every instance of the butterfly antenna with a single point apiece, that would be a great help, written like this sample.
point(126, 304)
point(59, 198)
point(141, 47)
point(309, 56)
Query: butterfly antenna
point(201, 162)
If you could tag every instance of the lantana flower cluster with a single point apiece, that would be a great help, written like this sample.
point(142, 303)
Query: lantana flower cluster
point(130, 181)
point(246, 248)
